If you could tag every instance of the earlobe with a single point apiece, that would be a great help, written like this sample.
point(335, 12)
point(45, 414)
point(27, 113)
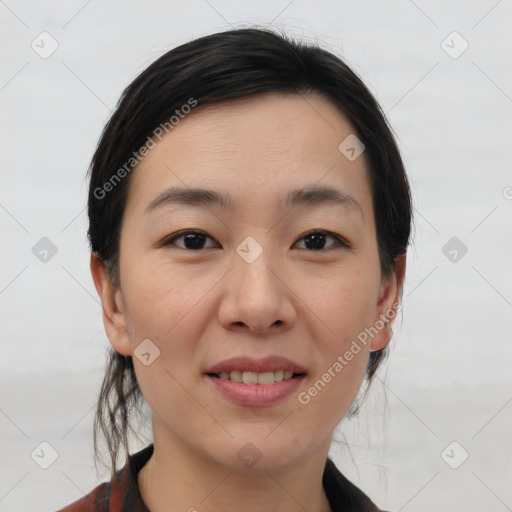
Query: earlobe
point(388, 305)
point(114, 317)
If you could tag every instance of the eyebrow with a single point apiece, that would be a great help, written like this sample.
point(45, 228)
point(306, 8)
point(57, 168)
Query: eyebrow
point(205, 197)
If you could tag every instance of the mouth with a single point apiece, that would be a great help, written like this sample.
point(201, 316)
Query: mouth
point(257, 378)
point(250, 382)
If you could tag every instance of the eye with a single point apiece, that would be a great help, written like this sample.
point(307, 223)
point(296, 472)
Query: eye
point(315, 240)
point(193, 240)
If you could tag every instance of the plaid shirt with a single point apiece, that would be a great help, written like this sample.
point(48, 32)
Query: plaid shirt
point(122, 493)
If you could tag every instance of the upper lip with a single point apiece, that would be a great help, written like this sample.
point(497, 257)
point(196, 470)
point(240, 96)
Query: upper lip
point(248, 364)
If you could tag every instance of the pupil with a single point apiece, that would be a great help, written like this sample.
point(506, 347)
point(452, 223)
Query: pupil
point(318, 240)
point(194, 243)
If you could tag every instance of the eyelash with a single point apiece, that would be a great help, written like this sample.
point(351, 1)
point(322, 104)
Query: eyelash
point(340, 240)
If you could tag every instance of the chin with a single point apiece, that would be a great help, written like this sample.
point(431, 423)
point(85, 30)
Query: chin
point(256, 452)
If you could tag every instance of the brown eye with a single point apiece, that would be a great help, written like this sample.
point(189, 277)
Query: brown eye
point(316, 240)
point(193, 240)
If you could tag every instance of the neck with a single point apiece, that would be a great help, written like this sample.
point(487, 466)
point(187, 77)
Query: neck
point(179, 478)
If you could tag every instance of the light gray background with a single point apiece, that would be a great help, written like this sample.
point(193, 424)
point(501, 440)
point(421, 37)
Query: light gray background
point(449, 374)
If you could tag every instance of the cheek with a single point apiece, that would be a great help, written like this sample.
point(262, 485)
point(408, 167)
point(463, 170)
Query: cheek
point(173, 318)
point(161, 304)
point(325, 400)
point(346, 307)
point(331, 392)
point(171, 310)
point(345, 304)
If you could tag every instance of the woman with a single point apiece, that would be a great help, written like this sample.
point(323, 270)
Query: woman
point(249, 219)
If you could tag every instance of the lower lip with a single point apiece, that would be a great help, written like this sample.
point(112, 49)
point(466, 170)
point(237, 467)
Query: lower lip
point(256, 395)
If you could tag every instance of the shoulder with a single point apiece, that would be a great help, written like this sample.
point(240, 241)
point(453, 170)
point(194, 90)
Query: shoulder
point(96, 501)
point(342, 494)
point(121, 494)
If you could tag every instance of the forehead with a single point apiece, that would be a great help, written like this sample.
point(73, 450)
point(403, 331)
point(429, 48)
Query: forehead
point(255, 147)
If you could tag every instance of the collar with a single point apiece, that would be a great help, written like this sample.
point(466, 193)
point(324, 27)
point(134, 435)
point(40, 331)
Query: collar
point(123, 493)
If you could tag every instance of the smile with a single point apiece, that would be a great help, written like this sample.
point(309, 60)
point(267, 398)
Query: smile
point(256, 389)
point(264, 378)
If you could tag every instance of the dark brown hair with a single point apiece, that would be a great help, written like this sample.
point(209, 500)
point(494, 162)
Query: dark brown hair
point(212, 69)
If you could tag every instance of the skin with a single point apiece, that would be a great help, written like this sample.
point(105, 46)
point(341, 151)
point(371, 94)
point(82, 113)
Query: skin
point(200, 307)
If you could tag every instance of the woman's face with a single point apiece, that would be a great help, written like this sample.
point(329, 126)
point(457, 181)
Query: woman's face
point(252, 282)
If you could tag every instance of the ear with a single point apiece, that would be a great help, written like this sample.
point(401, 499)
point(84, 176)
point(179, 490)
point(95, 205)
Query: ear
point(114, 318)
point(388, 305)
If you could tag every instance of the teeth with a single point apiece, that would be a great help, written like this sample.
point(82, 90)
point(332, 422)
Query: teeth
point(234, 376)
point(265, 378)
point(256, 378)
point(250, 378)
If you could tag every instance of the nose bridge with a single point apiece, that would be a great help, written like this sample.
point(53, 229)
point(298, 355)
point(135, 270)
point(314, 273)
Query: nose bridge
point(255, 266)
point(256, 295)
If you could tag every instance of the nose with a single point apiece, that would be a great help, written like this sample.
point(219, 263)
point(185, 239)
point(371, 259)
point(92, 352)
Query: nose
point(257, 297)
